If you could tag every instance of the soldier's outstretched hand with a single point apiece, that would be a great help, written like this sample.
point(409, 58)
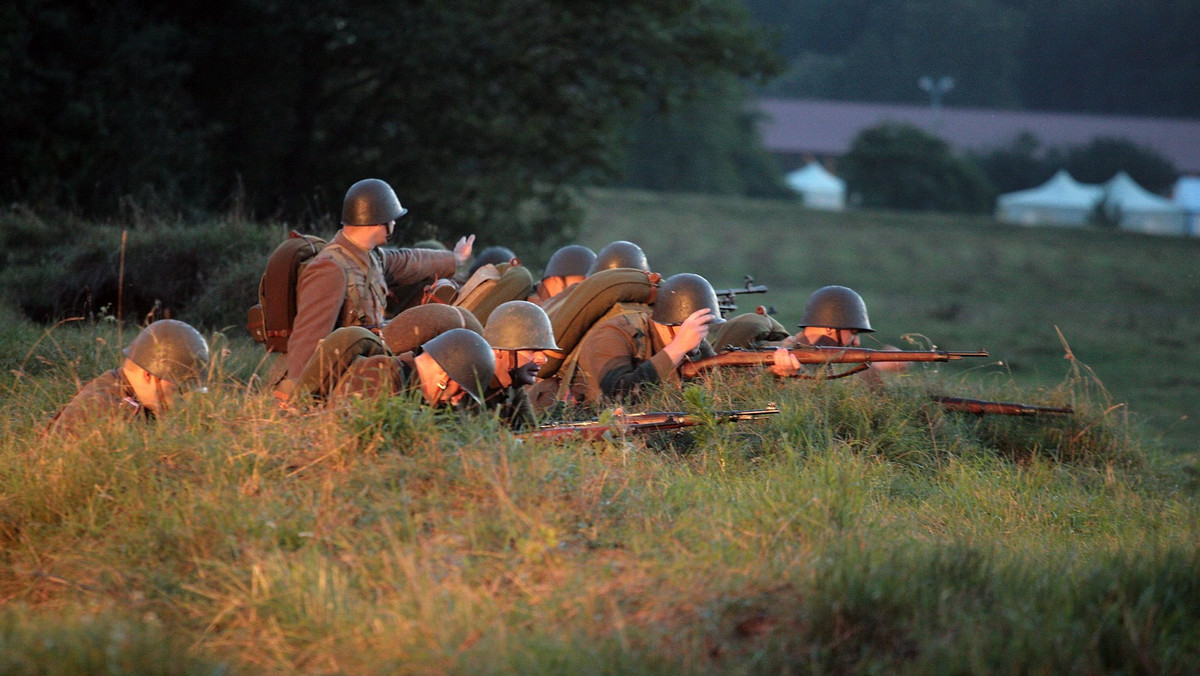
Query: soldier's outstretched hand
point(462, 249)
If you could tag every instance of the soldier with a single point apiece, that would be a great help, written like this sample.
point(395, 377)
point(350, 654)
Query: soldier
point(407, 332)
point(566, 268)
point(447, 367)
point(346, 284)
point(166, 357)
point(620, 355)
point(520, 335)
point(621, 254)
point(493, 255)
point(834, 316)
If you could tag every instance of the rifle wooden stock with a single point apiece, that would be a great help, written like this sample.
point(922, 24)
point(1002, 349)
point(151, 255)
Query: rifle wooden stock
point(981, 407)
point(641, 423)
point(820, 355)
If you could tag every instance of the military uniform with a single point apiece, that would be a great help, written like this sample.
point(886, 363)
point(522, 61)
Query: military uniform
point(108, 396)
point(542, 298)
point(347, 286)
point(332, 358)
point(376, 376)
point(620, 355)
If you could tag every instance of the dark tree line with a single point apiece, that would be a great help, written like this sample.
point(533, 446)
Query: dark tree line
point(474, 110)
point(1137, 57)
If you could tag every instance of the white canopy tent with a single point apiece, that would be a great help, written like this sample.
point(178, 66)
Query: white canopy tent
point(819, 188)
point(1060, 201)
point(1187, 197)
point(1140, 210)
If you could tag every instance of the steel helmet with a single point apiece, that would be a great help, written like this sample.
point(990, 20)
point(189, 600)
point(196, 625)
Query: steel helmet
point(171, 350)
point(519, 325)
point(620, 254)
point(681, 295)
point(371, 202)
point(574, 260)
point(415, 326)
point(431, 244)
point(493, 255)
point(836, 307)
point(466, 357)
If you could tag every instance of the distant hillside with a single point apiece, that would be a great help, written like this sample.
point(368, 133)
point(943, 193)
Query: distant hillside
point(1038, 56)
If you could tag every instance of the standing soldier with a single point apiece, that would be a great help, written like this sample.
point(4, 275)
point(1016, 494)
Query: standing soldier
point(520, 335)
point(165, 357)
point(620, 355)
point(346, 284)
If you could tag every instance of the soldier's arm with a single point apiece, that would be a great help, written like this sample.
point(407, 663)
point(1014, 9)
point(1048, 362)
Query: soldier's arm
point(99, 400)
point(412, 266)
point(319, 298)
point(608, 361)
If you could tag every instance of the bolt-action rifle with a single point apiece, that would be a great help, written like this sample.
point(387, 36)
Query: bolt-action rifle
point(727, 298)
point(861, 356)
point(981, 407)
point(641, 423)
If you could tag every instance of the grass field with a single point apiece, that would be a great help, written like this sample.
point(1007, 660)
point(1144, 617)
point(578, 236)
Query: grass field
point(1127, 305)
point(852, 533)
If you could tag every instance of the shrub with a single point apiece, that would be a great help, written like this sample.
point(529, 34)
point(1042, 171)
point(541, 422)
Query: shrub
point(156, 270)
point(897, 166)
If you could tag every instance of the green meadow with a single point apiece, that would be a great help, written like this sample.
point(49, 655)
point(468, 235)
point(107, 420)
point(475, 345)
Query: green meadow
point(1127, 305)
point(857, 531)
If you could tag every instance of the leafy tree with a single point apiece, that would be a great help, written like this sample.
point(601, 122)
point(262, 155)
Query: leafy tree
point(1113, 57)
point(1024, 164)
point(709, 146)
point(1102, 158)
point(876, 51)
point(473, 110)
point(1103, 56)
point(968, 40)
point(898, 166)
point(1019, 165)
point(95, 106)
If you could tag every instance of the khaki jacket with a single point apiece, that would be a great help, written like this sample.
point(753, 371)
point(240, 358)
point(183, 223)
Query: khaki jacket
point(346, 286)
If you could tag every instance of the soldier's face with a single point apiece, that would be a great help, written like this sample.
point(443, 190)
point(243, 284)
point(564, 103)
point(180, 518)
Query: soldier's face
point(161, 396)
point(529, 362)
point(827, 337)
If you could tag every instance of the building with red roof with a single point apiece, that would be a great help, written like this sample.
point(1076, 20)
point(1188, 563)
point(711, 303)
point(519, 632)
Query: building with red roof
point(800, 130)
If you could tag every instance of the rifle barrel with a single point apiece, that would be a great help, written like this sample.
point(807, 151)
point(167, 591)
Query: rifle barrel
point(642, 422)
point(981, 407)
point(822, 355)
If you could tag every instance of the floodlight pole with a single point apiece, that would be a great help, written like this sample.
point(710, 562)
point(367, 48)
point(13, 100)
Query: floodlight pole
point(937, 89)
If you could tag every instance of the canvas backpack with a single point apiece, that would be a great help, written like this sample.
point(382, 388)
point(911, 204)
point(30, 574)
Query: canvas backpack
point(492, 285)
point(270, 320)
point(574, 313)
point(601, 296)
